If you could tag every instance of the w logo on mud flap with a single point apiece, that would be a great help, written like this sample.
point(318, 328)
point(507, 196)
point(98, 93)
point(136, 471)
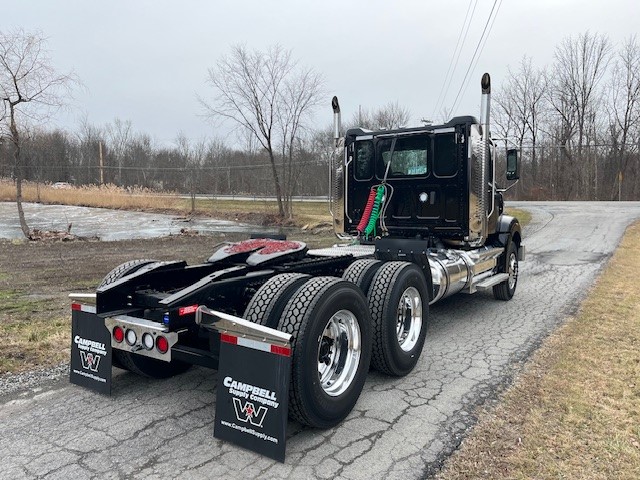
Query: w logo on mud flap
point(90, 361)
point(248, 413)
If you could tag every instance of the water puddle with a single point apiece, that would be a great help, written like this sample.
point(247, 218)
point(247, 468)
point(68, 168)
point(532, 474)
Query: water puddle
point(111, 224)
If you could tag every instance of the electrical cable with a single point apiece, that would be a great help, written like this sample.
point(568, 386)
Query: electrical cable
point(466, 75)
point(473, 69)
point(367, 211)
point(375, 213)
point(453, 57)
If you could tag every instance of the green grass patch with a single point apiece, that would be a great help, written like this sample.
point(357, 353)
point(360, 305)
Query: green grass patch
point(33, 341)
point(32, 334)
point(523, 216)
point(13, 302)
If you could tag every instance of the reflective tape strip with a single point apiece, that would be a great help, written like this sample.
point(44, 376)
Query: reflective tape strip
point(228, 338)
point(284, 351)
point(83, 308)
point(255, 345)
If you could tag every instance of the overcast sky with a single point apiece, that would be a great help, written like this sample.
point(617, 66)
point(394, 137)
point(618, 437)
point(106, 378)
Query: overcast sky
point(145, 61)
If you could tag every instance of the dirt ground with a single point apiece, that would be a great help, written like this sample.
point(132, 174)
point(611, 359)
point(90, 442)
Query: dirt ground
point(36, 278)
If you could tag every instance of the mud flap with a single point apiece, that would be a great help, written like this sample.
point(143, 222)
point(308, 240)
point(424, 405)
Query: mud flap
point(91, 356)
point(253, 384)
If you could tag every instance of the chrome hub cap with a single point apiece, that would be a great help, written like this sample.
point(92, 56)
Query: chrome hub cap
point(409, 319)
point(513, 271)
point(339, 350)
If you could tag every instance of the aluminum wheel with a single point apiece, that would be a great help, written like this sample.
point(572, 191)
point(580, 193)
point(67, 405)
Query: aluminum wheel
point(409, 319)
point(339, 350)
point(513, 271)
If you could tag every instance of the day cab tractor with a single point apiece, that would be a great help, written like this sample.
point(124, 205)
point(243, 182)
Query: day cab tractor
point(419, 216)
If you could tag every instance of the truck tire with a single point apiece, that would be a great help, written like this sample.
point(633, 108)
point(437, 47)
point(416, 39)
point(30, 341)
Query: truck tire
point(266, 305)
point(124, 270)
point(361, 273)
point(399, 306)
point(506, 289)
point(330, 326)
point(144, 366)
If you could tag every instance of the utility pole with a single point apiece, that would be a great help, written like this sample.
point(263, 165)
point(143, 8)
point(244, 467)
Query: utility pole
point(101, 163)
point(619, 185)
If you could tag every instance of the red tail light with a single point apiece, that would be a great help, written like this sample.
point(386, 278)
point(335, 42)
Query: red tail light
point(187, 310)
point(162, 344)
point(118, 334)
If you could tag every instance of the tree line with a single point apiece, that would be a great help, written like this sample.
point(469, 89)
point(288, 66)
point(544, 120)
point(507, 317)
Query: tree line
point(576, 122)
point(115, 154)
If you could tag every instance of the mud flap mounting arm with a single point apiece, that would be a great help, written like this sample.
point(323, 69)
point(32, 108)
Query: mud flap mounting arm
point(239, 327)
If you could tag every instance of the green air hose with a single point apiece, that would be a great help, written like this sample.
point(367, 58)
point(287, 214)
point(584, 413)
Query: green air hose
point(375, 212)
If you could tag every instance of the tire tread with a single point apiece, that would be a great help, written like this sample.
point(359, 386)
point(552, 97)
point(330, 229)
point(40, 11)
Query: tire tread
point(378, 297)
point(269, 298)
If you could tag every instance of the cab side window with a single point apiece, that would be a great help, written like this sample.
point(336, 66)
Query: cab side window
point(364, 160)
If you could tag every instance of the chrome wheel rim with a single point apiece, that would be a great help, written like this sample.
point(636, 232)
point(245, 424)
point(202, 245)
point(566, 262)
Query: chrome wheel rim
point(409, 319)
point(339, 350)
point(513, 271)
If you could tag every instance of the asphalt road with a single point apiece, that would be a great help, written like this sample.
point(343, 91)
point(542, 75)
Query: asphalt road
point(401, 428)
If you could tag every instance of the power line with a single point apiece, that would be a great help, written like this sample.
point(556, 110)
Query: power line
point(453, 56)
point(466, 75)
point(485, 40)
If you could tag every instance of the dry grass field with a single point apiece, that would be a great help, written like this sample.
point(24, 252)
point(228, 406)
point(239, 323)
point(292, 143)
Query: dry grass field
point(262, 212)
point(575, 411)
point(258, 211)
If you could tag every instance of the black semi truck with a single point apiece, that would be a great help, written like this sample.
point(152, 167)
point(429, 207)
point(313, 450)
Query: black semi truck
point(419, 215)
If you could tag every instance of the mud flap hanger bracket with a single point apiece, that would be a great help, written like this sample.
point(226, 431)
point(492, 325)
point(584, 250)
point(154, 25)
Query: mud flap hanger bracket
point(236, 326)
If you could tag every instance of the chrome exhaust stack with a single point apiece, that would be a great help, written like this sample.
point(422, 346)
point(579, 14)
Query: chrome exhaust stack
point(337, 122)
point(479, 199)
point(485, 106)
point(337, 174)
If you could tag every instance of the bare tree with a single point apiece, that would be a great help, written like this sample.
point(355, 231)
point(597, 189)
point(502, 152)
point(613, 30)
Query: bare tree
point(391, 116)
point(624, 109)
point(574, 92)
point(521, 107)
point(256, 90)
point(299, 97)
point(30, 91)
point(119, 134)
point(387, 117)
point(193, 155)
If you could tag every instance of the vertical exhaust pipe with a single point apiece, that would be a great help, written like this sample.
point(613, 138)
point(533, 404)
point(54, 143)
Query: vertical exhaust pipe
point(481, 169)
point(337, 174)
point(485, 106)
point(337, 127)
